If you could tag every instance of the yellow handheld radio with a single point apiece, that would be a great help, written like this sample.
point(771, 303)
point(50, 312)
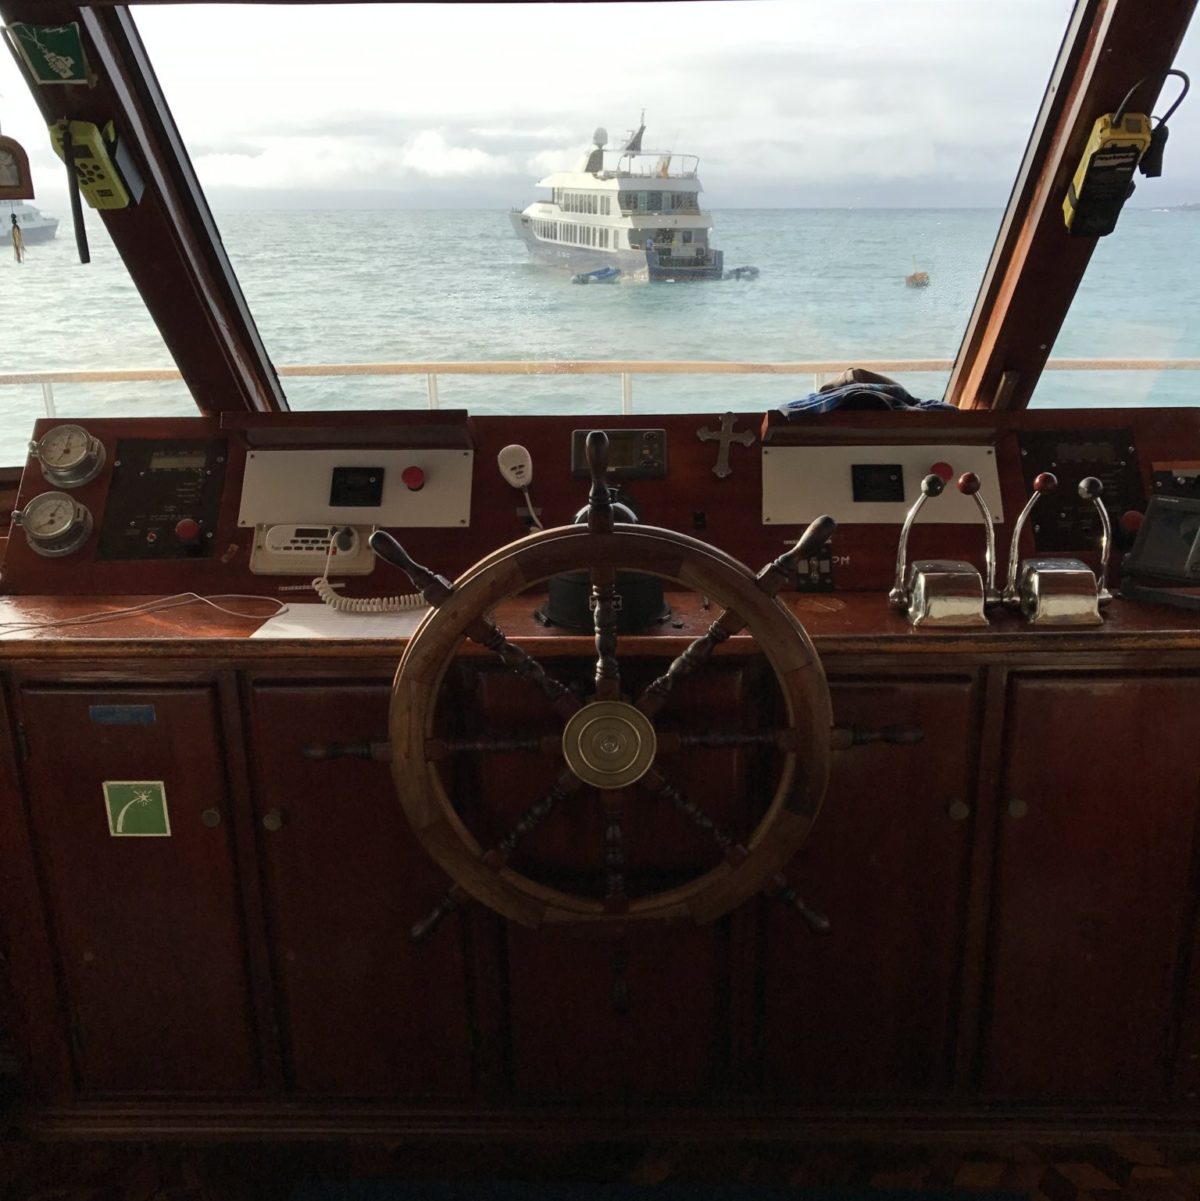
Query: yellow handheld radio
point(1104, 178)
point(94, 154)
point(1119, 144)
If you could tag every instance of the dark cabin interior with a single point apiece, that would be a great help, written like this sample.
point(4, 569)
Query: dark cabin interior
point(664, 845)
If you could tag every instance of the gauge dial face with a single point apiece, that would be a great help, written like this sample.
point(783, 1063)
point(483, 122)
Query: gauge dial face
point(65, 446)
point(50, 516)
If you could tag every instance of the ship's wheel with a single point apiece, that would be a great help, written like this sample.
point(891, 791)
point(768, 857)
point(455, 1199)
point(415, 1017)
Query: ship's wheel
point(609, 746)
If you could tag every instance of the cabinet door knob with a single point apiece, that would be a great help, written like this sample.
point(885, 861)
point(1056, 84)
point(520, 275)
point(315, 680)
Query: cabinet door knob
point(958, 811)
point(211, 817)
point(1017, 808)
point(273, 819)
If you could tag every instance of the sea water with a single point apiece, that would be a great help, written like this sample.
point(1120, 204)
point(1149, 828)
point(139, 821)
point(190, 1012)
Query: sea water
point(403, 285)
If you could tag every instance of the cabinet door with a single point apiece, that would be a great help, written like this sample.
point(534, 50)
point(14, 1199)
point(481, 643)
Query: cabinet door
point(1089, 904)
point(365, 1011)
point(147, 925)
point(868, 1009)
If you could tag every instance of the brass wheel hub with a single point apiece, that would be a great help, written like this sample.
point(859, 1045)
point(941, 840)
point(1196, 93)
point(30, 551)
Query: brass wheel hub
point(609, 744)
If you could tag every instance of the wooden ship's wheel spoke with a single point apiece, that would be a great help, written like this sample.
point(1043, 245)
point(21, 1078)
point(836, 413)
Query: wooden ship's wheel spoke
point(442, 748)
point(482, 630)
point(605, 605)
point(498, 856)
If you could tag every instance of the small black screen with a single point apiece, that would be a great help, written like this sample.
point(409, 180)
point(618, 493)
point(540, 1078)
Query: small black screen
point(877, 482)
point(356, 487)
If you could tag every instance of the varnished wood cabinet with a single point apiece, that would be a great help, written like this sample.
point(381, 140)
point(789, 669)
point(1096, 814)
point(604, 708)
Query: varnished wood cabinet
point(1013, 904)
point(362, 1011)
point(148, 932)
point(869, 1009)
point(1092, 902)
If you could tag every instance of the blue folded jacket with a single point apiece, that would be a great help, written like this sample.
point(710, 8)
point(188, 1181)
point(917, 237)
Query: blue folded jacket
point(860, 396)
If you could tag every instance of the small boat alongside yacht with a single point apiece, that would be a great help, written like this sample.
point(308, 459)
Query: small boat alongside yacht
point(33, 224)
point(636, 211)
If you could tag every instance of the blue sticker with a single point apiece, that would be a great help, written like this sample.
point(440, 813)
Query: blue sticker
point(122, 715)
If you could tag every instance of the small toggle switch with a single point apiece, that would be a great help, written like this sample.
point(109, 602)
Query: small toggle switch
point(413, 478)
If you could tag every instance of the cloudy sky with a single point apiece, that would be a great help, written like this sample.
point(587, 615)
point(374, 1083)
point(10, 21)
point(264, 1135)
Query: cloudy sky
point(787, 102)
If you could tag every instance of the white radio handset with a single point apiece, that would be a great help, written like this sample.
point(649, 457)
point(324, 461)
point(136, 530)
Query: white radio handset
point(516, 468)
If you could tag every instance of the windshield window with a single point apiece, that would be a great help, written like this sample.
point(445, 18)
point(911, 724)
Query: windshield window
point(374, 172)
point(1139, 302)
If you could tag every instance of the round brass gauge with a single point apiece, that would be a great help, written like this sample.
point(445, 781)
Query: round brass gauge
point(69, 455)
point(54, 523)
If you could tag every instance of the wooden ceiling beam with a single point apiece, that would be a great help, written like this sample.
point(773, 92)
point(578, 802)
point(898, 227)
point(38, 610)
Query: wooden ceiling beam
point(169, 240)
point(1036, 265)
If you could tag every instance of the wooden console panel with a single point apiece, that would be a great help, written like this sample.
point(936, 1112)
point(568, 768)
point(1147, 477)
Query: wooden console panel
point(724, 511)
point(1013, 900)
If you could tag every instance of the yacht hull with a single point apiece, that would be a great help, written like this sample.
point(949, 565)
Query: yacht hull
point(582, 259)
point(39, 233)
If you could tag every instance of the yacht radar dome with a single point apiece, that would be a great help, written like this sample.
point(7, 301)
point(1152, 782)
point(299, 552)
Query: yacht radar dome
point(600, 137)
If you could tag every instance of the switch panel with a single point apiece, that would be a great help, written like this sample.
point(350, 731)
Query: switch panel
point(163, 499)
point(367, 485)
point(873, 484)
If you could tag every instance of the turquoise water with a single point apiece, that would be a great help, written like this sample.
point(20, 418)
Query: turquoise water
point(329, 287)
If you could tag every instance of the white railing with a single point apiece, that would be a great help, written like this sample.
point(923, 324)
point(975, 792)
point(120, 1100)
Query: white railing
point(819, 369)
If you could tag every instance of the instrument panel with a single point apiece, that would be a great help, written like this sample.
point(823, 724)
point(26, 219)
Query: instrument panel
point(251, 502)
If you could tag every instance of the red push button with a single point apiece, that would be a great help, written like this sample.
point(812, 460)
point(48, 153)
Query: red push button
point(187, 529)
point(944, 470)
point(413, 478)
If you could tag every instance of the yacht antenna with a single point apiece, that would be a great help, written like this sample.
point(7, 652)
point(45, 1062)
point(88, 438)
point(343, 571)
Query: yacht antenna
point(634, 145)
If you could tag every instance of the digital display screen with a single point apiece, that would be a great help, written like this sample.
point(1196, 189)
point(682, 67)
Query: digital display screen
point(188, 460)
point(1168, 543)
point(312, 532)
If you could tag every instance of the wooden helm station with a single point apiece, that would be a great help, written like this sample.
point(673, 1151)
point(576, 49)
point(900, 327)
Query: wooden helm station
point(561, 880)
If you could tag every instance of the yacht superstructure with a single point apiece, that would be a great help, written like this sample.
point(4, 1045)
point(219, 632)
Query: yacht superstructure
point(633, 209)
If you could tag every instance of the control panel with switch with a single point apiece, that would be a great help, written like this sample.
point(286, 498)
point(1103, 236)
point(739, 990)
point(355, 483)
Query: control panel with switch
point(163, 498)
point(873, 484)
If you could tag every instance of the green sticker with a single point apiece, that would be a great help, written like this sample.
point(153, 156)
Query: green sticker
point(54, 53)
point(137, 809)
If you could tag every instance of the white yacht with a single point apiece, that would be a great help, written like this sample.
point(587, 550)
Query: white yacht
point(625, 209)
point(35, 227)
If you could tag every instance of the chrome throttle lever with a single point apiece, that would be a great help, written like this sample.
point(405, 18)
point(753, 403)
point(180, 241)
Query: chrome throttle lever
point(931, 485)
point(939, 592)
point(969, 484)
point(1063, 592)
point(1043, 484)
point(1090, 488)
